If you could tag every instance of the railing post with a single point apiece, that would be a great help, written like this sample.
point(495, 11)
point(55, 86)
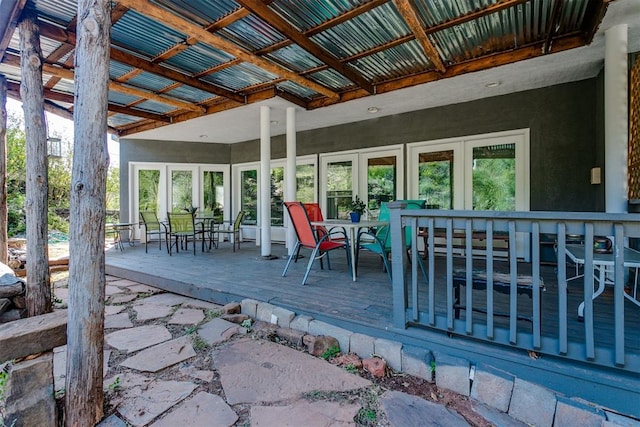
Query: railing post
point(398, 263)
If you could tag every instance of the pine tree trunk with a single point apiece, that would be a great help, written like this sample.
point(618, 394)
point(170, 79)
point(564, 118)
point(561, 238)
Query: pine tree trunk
point(36, 204)
point(85, 330)
point(3, 170)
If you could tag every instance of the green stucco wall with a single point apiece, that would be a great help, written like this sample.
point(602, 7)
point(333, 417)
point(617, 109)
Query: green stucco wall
point(566, 139)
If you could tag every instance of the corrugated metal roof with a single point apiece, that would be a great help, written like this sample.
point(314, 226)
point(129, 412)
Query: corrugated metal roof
point(357, 45)
point(59, 11)
point(149, 81)
point(121, 99)
point(144, 35)
point(66, 86)
point(297, 58)
point(377, 27)
point(240, 76)
point(190, 94)
point(307, 14)
point(408, 58)
point(297, 90)
point(154, 107)
point(199, 57)
point(201, 12)
point(116, 120)
point(252, 33)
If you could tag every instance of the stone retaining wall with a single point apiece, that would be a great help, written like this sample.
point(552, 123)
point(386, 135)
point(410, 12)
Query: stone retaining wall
point(494, 388)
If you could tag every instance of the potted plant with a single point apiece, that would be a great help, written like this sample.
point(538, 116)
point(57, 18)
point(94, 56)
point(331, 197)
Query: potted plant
point(358, 207)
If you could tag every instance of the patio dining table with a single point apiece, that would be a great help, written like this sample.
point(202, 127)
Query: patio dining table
point(603, 263)
point(351, 229)
point(118, 229)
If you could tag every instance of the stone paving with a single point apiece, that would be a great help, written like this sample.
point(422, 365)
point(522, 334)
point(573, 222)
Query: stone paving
point(172, 360)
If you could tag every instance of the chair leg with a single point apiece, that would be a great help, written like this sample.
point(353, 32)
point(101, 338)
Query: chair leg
point(310, 264)
point(146, 245)
point(294, 255)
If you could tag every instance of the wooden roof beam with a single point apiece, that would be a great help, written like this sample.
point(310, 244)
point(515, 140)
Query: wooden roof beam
point(161, 15)
point(114, 86)
point(553, 25)
point(409, 14)
point(216, 107)
point(258, 8)
point(596, 10)
point(56, 33)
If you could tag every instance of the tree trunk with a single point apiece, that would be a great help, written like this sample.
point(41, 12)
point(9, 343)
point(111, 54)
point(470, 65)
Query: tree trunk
point(36, 204)
point(85, 331)
point(3, 170)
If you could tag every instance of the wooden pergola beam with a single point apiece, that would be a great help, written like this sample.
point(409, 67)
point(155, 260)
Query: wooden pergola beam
point(116, 87)
point(258, 8)
point(161, 15)
point(409, 14)
point(63, 36)
point(215, 107)
point(553, 25)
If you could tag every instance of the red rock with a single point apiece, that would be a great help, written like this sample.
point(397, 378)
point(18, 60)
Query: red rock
point(375, 366)
point(350, 359)
point(235, 318)
point(232, 308)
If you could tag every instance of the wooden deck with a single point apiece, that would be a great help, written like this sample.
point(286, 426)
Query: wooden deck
point(222, 276)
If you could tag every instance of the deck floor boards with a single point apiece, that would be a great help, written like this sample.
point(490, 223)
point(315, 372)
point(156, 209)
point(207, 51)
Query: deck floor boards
point(222, 276)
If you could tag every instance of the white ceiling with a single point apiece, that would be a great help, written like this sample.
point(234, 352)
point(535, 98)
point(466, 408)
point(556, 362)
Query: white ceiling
point(243, 123)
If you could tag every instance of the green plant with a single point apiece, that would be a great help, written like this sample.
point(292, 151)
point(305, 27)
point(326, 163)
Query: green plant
point(351, 368)
point(366, 417)
point(211, 314)
point(358, 206)
point(247, 324)
point(191, 330)
point(199, 343)
point(115, 385)
point(331, 352)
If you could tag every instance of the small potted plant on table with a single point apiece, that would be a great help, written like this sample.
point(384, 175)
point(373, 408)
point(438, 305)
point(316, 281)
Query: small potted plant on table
point(358, 207)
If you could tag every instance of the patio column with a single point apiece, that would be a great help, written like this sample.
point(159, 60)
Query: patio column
point(616, 118)
point(265, 181)
point(290, 189)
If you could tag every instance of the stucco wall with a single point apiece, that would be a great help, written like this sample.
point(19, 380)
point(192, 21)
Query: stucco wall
point(566, 139)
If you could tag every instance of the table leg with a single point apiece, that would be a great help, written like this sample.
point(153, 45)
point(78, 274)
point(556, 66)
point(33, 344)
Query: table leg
point(352, 232)
point(601, 278)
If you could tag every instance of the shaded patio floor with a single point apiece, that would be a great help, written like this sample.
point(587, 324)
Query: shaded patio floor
point(222, 276)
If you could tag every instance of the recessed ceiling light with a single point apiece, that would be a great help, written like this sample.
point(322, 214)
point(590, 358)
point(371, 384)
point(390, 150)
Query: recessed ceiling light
point(204, 136)
point(492, 84)
point(274, 122)
point(373, 109)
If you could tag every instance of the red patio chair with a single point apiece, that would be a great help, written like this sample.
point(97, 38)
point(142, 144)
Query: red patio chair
point(315, 215)
point(308, 238)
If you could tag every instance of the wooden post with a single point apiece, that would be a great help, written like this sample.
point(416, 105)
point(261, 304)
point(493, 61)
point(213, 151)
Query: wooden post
point(85, 331)
point(3, 170)
point(36, 204)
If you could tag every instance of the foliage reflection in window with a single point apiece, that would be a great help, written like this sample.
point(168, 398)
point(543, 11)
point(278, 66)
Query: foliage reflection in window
point(435, 183)
point(277, 193)
point(249, 196)
point(381, 182)
point(148, 186)
point(305, 183)
point(213, 188)
point(339, 189)
point(181, 191)
point(494, 177)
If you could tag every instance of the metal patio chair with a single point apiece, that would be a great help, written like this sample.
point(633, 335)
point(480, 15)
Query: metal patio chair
point(379, 241)
point(231, 229)
point(182, 228)
point(308, 238)
point(153, 227)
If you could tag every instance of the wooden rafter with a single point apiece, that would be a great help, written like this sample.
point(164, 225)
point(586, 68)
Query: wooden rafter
point(114, 86)
point(596, 11)
point(161, 15)
point(62, 36)
point(409, 14)
point(553, 25)
point(258, 8)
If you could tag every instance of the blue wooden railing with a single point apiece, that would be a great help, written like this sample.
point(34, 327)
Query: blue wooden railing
point(431, 304)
